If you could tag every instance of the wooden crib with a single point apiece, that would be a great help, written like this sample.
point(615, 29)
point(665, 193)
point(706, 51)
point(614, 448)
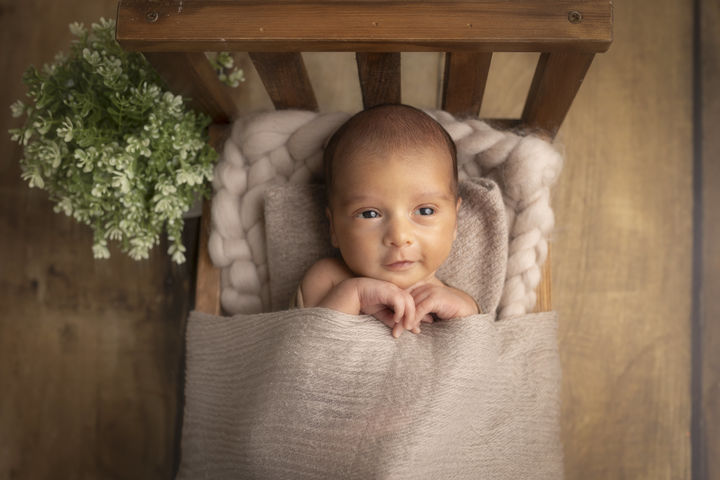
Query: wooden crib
point(175, 34)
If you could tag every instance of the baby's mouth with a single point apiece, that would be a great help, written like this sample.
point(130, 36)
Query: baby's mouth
point(400, 265)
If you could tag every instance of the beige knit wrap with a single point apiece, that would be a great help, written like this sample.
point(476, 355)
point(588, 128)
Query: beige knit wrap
point(316, 394)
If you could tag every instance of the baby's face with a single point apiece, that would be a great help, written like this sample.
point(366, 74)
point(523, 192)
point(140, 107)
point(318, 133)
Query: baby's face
point(394, 216)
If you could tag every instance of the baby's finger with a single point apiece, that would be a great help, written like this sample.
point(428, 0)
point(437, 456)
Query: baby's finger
point(397, 330)
point(386, 317)
point(393, 299)
point(399, 309)
point(424, 309)
point(408, 320)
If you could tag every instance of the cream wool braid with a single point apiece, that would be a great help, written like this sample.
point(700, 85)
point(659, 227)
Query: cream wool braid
point(286, 146)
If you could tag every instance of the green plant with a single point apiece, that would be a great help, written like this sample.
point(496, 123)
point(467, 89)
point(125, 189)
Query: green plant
point(113, 148)
point(224, 65)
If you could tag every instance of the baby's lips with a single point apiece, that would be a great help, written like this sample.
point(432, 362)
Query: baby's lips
point(400, 265)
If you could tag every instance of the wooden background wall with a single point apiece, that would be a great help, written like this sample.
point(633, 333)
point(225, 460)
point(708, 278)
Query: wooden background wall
point(91, 352)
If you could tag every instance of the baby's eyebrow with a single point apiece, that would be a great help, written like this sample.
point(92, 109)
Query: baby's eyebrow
point(361, 198)
point(434, 194)
point(357, 199)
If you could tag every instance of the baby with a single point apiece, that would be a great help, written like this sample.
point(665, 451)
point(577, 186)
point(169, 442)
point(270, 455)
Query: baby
point(391, 177)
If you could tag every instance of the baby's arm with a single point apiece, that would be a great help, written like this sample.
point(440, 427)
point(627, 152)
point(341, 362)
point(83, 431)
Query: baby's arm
point(445, 302)
point(329, 283)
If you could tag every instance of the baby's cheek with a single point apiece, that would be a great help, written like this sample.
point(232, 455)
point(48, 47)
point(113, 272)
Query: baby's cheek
point(357, 259)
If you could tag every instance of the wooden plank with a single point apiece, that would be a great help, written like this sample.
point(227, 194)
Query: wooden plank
point(544, 288)
point(372, 25)
point(464, 82)
point(207, 280)
point(190, 74)
point(708, 445)
point(285, 79)
point(90, 350)
point(557, 79)
point(379, 75)
point(622, 253)
point(207, 285)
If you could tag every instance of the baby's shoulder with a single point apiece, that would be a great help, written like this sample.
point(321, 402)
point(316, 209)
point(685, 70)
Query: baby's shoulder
point(322, 277)
point(330, 268)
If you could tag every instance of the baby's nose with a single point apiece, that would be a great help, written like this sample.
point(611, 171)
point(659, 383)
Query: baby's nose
point(398, 234)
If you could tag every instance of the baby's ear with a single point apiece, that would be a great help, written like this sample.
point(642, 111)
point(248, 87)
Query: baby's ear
point(333, 239)
point(457, 213)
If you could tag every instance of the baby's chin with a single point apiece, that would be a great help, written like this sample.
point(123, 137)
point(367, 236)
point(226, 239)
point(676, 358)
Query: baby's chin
point(411, 281)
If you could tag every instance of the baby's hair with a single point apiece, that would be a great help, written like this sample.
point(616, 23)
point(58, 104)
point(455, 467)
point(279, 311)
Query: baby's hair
point(387, 128)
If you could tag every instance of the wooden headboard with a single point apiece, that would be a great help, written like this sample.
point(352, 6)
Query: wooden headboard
point(175, 34)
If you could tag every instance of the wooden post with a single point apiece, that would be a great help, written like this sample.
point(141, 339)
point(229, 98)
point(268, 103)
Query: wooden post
point(464, 82)
point(285, 79)
point(379, 75)
point(557, 79)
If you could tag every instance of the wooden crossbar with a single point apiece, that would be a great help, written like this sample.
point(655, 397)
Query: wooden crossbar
point(365, 25)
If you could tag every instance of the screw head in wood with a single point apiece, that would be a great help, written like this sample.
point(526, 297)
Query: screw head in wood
point(574, 16)
point(152, 17)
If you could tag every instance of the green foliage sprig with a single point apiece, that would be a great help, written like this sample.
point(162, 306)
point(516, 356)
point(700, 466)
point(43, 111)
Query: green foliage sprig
point(225, 68)
point(112, 147)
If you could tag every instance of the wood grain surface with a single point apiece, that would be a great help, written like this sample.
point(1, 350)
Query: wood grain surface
point(464, 82)
point(379, 77)
point(709, 295)
point(286, 80)
point(622, 252)
point(499, 25)
point(90, 351)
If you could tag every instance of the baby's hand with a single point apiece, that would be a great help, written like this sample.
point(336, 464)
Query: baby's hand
point(445, 302)
point(383, 300)
point(386, 302)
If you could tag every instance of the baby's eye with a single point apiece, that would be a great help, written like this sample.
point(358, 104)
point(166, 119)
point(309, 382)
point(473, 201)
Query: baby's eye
point(425, 211)
point(368, 214)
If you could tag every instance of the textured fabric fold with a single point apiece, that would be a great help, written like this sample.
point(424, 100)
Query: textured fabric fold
point(313, 393)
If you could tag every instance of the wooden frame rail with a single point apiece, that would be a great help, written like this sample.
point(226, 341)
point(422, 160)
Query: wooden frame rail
point(365, 25)
point(174, 34)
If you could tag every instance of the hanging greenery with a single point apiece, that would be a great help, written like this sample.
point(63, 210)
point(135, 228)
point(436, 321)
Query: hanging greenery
point(224, 65)
point(113, 148)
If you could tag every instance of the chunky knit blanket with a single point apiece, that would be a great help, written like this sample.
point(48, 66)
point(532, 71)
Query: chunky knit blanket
point(286, 146)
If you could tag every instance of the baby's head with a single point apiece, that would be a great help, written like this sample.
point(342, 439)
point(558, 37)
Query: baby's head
point(391, 177)
point(383, 129)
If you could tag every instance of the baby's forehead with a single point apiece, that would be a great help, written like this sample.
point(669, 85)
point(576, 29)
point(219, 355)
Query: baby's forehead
point(433, 165)
point(374, 156)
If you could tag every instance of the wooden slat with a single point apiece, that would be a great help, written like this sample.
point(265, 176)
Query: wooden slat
point(190, 74)
point(379, 75)
point(207, 286)
point(372, 25)
point(558, 77)
point(285, 79)
point(207, 280)
point(464, 82)
point(544, 288)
